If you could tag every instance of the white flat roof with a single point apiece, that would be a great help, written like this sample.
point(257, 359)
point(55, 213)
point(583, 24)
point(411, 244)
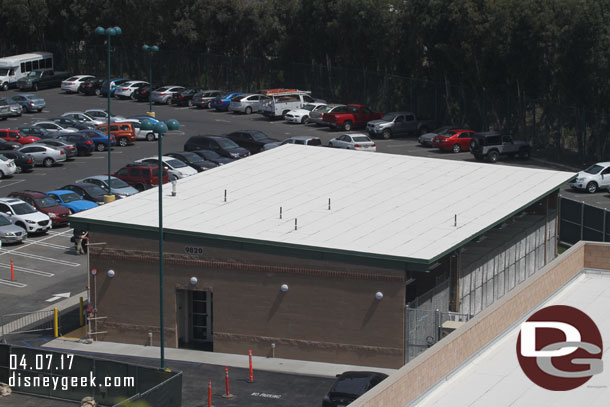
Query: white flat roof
point(494, 377)
point(381, 204)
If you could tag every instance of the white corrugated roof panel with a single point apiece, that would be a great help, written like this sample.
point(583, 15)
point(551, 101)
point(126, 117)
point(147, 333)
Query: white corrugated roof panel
point(383, 204)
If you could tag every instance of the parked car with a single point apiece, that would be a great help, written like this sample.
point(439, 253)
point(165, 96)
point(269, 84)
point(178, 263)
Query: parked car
point(69, 148)
point(5, 110)
point(124, 133)
point(72, 84)
point(36, 132)
point(142, 176)
point(491, 145)
point(125, 90)
point(252, 140)
point(194, 160)
point(100, 140)
point(117, 186)
point(594, 178)
point(30, 102)
point(90, 192)
point(222, 102)
point(175, 167)
point(164, 95)
point(141, 134)
point(17, 136)
point(455, 140)
point(316, 115)
point(9, 232)
point(82, 117)
point(396, 124)
point(304, 140)
point(222, 145)
point(22, 161)
point(84, 144)
point(302, 115)
point(7, 166)
point(9, 145)
point(45, 204)
point(52, 126)
point(143, 94)
point(278, 103)
point(46, 156)
point(185, 97)
point(14, 108)
point(351, 385)
point(360, 142)
point(356, 116)
point(247, 104)
point(114, 83)
point(213, 156)
point(426, 139)
point(66, 122)
point(202, 99)
point(25, 215)
point(71, 200)
point(91, 86)
point(100, 114)
point(40, 79)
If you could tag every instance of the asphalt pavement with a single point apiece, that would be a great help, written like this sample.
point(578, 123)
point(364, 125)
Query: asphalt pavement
point(195, 121)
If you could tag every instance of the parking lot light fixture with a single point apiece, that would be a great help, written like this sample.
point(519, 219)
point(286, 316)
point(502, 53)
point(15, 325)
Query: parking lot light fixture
point(150, 49)
point(108, 32)
point(160, 129)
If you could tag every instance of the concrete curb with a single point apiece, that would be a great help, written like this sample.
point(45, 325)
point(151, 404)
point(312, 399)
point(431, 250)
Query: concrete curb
point(552, 164)
point(277, 365)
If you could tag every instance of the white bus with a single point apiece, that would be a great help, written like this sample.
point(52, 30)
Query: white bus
point(18, 66)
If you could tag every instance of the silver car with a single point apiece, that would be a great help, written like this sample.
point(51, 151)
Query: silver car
point(99, 114)
point(427, 138)
point(84, 118)
point(44, 155)
point(202, 99)
point(164, 94)
point(9, 232)
point(14, 107)
point(316, 116)
point(117, 186)
point(69, 148)
point(248, 103)
point(52, 126)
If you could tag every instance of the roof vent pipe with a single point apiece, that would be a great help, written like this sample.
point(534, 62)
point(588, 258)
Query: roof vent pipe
point(225, 195)
point(280, 212)
point(295, 223)
point(329, 204)
point(174, 187)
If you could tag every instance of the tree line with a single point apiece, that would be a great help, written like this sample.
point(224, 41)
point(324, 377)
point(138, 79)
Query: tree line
point(536, 67)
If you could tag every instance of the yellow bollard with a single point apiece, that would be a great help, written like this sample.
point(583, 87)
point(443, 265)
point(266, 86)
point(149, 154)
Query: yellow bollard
point(81, 312)
point(109, 198)
point(55, 322)
point(150, 114)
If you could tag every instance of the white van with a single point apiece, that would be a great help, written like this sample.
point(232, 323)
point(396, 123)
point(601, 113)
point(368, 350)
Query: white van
point(274, 105)
point(18, 66)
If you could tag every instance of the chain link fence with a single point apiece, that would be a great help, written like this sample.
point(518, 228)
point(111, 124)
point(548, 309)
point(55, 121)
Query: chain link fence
point(25, 323)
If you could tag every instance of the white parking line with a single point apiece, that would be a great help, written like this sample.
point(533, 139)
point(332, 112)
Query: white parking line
point(27, 270)
point(37, 257)
point(12, 283)
point(53, 245)
point(11, 183)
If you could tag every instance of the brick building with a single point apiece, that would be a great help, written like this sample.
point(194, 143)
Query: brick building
point(318, 251)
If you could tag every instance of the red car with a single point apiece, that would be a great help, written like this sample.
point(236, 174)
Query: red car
point(45, 204)
point(141, 176)
point(455, 140)
point(17, 136)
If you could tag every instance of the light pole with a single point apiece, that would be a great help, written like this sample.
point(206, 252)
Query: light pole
point(108, 32)
point(161, 128)
point(150, 50)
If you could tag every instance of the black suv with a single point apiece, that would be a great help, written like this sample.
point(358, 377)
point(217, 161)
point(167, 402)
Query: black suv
point(491, 145)
point(252, 140)
point(222, 145)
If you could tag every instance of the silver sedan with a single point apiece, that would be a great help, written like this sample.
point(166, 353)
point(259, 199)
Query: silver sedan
point(360, 142)
point(44, 155)
point(9, 232)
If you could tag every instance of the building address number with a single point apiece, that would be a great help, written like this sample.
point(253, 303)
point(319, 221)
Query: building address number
point(193, 250)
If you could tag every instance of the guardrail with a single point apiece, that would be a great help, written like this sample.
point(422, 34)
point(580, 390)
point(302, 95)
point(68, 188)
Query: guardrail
point(26, 322)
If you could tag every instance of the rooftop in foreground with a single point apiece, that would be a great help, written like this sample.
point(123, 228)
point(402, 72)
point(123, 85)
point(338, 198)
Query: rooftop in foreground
point(494, 377)
point(381, 205)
